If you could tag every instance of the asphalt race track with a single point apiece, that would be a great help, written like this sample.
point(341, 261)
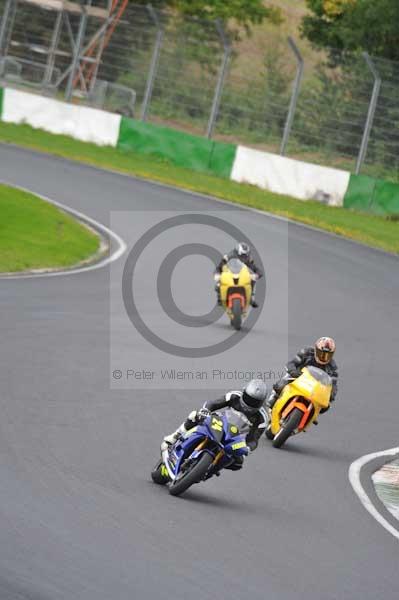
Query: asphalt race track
point(79, 516)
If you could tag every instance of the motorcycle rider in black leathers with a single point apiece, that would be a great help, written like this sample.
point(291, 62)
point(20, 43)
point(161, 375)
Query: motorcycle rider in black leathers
point(249, 401)
point(243, 252)
point(320, 355)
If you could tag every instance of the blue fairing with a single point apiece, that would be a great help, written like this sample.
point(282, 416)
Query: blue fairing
point(220, 433)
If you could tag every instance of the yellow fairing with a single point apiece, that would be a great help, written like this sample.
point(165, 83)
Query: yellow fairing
point(313, 385)
point(229, 281)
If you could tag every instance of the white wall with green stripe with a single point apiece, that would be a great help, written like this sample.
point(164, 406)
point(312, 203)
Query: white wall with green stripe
point(268, 171)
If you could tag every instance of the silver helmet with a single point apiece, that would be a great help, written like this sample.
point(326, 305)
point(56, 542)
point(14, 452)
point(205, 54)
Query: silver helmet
point(243, 249)
point(253, 396)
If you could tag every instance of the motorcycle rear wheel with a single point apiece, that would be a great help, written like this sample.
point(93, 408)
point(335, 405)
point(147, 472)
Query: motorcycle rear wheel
point(291, 423)
point(194, 474)
point(236, 309)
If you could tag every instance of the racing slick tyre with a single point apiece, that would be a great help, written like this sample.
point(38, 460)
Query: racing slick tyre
point(159, 474)
point(236, 309)
point(194, 474)
point(290, 424)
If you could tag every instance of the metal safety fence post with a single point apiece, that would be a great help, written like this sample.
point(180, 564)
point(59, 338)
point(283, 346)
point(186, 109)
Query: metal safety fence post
point(221, 79)
point(77, 53)
point(6, 26)
point(371, 112)
point(154, 62)
point(294, 96)
point(55, 38)
point(8, 9)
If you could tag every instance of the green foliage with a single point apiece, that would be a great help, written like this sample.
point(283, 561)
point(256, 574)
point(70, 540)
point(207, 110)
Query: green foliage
point(332, 110)
point(255, 108)
point(344, 27)
point(244, 12)
point(352, 25)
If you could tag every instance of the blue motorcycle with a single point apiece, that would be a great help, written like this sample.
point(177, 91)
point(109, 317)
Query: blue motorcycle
point(203, 451)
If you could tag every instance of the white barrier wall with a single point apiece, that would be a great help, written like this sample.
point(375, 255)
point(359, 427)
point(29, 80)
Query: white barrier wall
point(268, 171)
point(290, 177)
point(80, 122)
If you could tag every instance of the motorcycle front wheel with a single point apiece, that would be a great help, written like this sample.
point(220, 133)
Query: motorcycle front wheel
point(287, 429)
point(269, 434)
point(236, 309)
point(158, 474)
point(194, 474)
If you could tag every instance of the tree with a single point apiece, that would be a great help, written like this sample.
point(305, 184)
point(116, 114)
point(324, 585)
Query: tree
point(244, 12)
point(237, 13)
point(353, 25)
point(345, 28)
point(191, 49)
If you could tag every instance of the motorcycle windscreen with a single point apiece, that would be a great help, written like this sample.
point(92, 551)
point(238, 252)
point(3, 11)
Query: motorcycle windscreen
point(236, 422)
point(317, 384)
point(235, 265)
point(241, 273)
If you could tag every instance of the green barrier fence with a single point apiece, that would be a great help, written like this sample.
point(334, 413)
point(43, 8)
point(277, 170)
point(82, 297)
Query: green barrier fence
point(386, 198)
point(182, 149)
point(371, 195)
point(360, 192)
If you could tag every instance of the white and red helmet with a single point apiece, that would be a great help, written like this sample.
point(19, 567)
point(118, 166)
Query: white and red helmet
point(324, 350)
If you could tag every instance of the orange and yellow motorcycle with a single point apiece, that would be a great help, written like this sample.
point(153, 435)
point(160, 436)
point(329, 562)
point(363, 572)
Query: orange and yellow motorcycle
point(236, 291)
point(299, 405)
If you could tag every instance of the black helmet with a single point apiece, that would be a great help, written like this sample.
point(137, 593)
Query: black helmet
point(243, 249)
point(253, 396)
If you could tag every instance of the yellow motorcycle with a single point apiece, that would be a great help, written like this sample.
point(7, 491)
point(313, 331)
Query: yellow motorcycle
point(236, 291)
point(299, 405)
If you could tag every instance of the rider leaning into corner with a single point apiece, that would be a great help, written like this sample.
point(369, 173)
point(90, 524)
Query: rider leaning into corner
point(249, 401)
point(243, 252)
point(320, 355)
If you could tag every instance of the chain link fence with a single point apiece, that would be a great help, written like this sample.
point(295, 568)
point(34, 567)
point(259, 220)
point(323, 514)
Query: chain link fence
point(332, 109)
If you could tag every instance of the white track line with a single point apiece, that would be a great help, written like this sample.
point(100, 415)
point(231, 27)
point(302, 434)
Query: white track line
point(354, 478)
point(95, 224)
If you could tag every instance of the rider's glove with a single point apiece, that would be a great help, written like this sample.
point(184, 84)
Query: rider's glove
point(254, 276)
point(294, 373)
point(217, 277)
point(202, 414)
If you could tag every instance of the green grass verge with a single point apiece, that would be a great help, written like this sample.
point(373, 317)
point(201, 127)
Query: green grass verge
point(375, 231)
point(35, 234)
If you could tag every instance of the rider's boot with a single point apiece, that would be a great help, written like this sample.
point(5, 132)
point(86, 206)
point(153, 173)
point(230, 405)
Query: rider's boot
point(188, 424)
point(218, 297)
point(253, 302)
point(271, 401)
point(169, 440)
